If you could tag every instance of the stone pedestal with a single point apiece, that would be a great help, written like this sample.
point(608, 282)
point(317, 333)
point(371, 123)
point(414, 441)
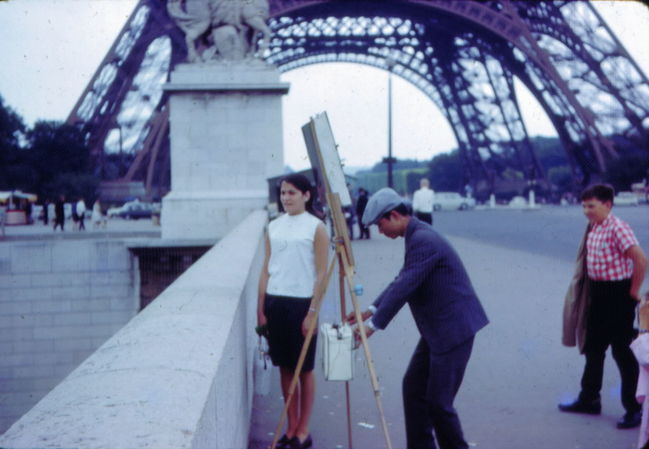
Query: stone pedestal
point(226, 140)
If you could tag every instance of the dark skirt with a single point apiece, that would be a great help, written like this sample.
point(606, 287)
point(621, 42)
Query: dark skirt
point(284, 318)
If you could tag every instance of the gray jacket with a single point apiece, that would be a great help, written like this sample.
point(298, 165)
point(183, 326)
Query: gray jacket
point(435, 284)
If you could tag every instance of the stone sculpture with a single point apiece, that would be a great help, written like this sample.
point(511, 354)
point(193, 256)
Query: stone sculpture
point(221, 29)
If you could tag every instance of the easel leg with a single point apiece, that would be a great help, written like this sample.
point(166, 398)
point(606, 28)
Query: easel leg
point(343, 312)
point(349, 275)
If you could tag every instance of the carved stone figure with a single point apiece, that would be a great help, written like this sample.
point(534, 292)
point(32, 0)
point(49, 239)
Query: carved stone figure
point(225, 29)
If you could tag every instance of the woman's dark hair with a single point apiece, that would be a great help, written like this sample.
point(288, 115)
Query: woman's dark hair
point(601, 192)
point(303, 184)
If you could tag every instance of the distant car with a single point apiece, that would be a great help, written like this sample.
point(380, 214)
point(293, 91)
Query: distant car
point(626, 199)
point(132, 210)
point(518, 202)
point(452, 201)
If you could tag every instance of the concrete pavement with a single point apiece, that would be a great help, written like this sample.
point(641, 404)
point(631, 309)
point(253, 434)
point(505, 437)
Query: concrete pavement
point(518, 372)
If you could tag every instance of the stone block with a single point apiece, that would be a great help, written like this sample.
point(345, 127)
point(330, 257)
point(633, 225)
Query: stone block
point(72, 319)
point(15, 280)
point(33, 372)
point(15, 307)
point(72, 256)
point(33, 347)
point(31, 258)
point(73, 345)
point(90, 304)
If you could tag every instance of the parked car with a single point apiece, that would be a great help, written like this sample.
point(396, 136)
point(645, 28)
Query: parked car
point(132, 210)
point(452, 201)
point(518, 202)
point(626, 199)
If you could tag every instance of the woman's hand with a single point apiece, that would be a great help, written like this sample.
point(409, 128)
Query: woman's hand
point(306, 323)
point(261, 319)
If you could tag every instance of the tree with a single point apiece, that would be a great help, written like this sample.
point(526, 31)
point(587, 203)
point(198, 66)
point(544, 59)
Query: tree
point(60, 160)
point(12, 164)
point(628, 169)
point(446, 172)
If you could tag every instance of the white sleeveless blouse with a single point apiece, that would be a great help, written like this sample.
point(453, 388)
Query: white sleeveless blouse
point(292, 257)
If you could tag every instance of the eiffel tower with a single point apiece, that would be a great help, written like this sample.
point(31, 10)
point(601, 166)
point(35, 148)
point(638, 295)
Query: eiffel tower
point(463, 54)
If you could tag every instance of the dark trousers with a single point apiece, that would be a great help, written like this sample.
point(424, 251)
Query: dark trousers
point(610, 323)
point(425, 217)
point(429, 388)
point(364, 231)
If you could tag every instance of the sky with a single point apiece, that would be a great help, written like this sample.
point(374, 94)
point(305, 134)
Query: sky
point(50, 49)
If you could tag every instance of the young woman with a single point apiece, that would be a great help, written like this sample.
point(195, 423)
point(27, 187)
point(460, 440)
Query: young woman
point(294, 268)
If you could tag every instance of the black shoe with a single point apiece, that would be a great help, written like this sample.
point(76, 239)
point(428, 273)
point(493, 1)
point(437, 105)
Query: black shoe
point(630, 420)
point(283, 442)
point(307, 443)
point(579, 406)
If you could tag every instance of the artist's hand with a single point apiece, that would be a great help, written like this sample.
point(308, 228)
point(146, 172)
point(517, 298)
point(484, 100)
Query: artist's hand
point(351, 317)
point(357, 335)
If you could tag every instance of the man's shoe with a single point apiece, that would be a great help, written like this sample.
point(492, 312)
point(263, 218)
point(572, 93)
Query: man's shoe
point(579, 406)
point(630, 420)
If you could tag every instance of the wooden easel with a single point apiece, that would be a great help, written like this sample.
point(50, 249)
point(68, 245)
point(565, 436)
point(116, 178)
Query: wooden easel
point(346, 273)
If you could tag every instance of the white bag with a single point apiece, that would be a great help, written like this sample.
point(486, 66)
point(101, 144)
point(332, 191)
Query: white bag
point(337, 344)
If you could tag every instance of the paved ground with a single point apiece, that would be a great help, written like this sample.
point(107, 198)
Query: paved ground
point(519, 370)
point(520, 263)
point(114, 228)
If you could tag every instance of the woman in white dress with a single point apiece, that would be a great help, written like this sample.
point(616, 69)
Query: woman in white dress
point(294, 268)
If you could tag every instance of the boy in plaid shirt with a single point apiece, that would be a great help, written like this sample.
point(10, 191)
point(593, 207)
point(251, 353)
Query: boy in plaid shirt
point(616, 267)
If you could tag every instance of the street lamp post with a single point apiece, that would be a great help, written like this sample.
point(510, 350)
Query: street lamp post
point(390, 63)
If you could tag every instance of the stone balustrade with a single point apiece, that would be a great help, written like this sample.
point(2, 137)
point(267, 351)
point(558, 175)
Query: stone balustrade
point(178, 375)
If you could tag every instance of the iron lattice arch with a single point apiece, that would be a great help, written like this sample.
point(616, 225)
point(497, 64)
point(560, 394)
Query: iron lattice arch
point(463, 54)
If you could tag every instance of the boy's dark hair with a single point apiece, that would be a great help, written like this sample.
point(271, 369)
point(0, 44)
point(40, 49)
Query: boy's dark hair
point(602, 192)
point(401, 208)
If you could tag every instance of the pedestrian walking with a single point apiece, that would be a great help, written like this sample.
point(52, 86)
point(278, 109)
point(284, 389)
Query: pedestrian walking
point(59, 213)
point(294, 268)
point(361, 203)
point(422, 202)
point(81, 214)
point(447, 313)
point(615, 269)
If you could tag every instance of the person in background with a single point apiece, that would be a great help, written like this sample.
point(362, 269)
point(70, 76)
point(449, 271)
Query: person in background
point(447, 312)
point(294, 269)
point(616, 267)
point(97, 218)
point(59, 213)
point(361, 203)
point(46, 212)
point(422, 202)
point(81, 214)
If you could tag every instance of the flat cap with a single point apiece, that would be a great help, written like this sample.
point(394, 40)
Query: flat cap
point(380, 203)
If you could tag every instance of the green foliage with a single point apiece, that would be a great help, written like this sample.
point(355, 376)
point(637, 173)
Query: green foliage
point(11, 131)
point(627, 169)
point(561, 177)
point(402, 176)
point(446, 173)
point(49, 159)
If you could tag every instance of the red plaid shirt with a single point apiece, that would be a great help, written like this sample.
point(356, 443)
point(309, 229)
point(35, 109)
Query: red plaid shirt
point(606, 244)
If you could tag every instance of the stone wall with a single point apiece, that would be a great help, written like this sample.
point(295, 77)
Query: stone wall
point(179, 374)
point(59, 301)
